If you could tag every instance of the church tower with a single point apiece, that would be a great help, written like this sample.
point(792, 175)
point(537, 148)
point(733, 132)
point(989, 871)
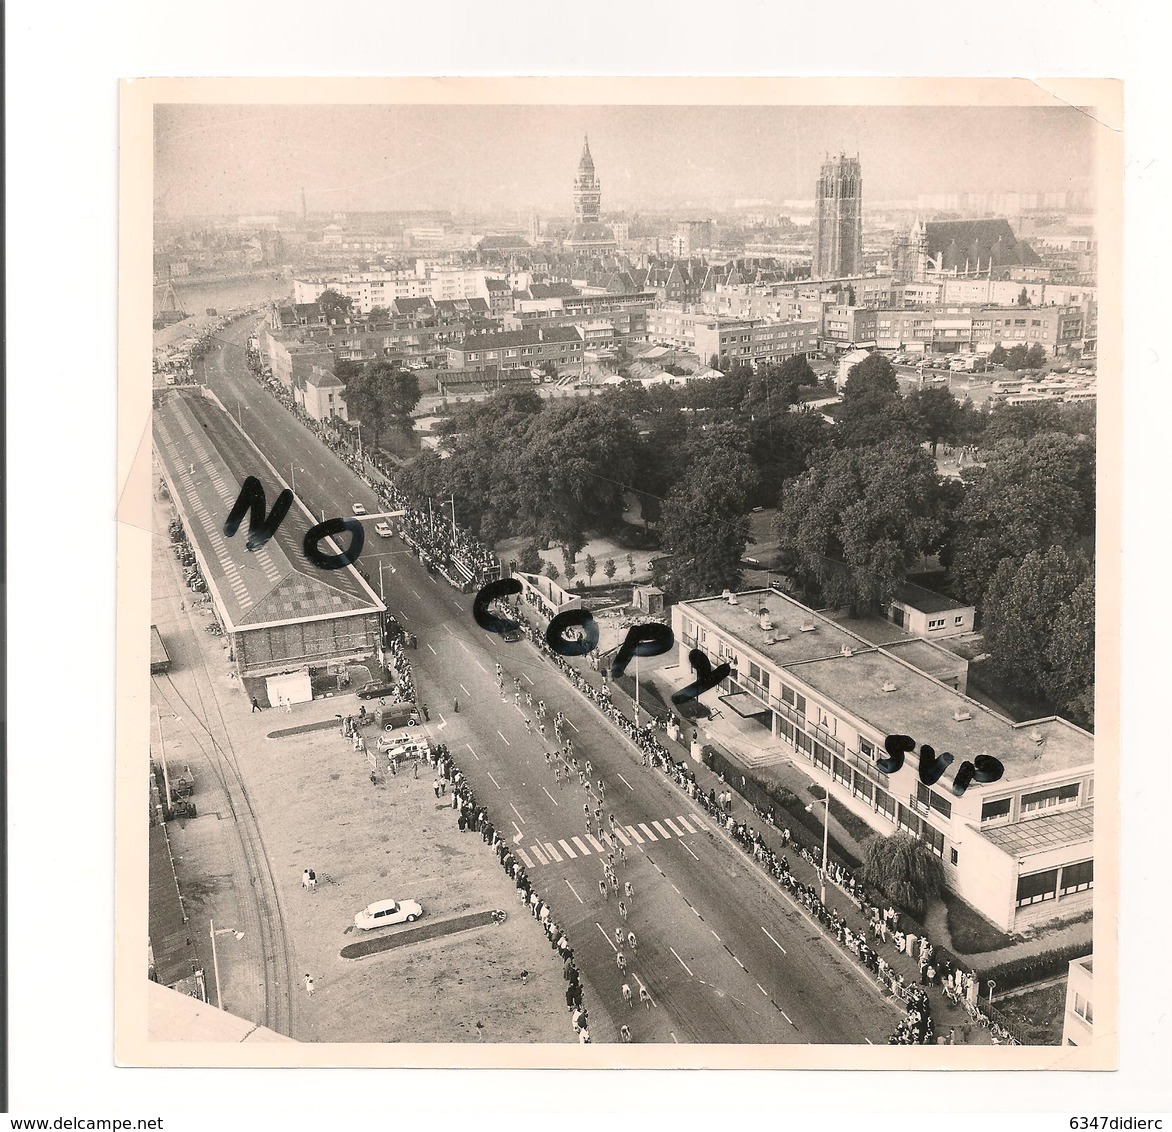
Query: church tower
point(587, 189)
point(838, 219)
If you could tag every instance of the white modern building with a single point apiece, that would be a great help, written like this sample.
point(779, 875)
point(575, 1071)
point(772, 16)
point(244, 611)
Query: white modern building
point(1078, 1022)
point(1019, 850)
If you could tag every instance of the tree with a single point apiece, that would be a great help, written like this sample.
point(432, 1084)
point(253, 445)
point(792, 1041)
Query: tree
point(529, 560)
point(1029, 495)
point(571, 571)
point(1025, 603)
point(591, 567)
point(333, 305)
point(874, 374)
point(998, 355)
point(382, 396)
point(551, 571)
point(1017, 358)
point(850, 295)
point(345, 370)
point(1023, 298)
point(609, 569)
point(852, 525)
point(798, 371)
point(905, 870)
point(1036, 356)
point(937, 414)
point(378, 314)
point(705, 527)
point(550, 370)
point(1072, 655)
point(631, 563)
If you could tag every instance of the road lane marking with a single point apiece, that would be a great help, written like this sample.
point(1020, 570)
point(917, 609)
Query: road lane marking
point(869, 1042)
point(715, 936)
point(574, 890)
point(684, 822)
point(739, 963)
point(660, 829)
point(519, 833)
point(417, 593)
point(538, 854)
point(474, 754)
point(521, 853)
point(626, 783)
point(517, 812)
point(581, 845)
point(782, 949)
point(673, 827)
point(479, 665)
point(787, 1017)
point(571, 725)
point(528, 677)
point(433, 652)
point(464, 690)
point(682, 963)
point(677, 891)
point(621, 836)
point(651, 836)
point(762, 990)
point(595, 844)
point(553, 853)
point(673, 1037)
point(567, 850)
point(465, 647)
point(691, 854)
point(608, 939)
point(494, 781)
point(507, 743)
point(699, 823)
point(634, 834)
point(551, 797)
point(443, 722)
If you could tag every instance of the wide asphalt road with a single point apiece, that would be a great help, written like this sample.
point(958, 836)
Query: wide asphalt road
point(725, 956)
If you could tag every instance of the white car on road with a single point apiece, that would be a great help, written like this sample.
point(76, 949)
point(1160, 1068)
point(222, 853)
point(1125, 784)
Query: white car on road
point(383, 529)
point(358, 509)
point(382, 913)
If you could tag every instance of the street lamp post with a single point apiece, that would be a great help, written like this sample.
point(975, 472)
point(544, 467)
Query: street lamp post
point(825, 844)
point(292, 477)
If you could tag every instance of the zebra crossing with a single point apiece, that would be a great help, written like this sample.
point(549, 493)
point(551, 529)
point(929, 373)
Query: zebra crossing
point(642, 833)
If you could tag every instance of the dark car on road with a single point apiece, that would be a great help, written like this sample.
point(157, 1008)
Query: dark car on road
point(512, 633)
point(375, 689)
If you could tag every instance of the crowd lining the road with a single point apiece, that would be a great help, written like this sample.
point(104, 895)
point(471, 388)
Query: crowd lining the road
point(468, 564)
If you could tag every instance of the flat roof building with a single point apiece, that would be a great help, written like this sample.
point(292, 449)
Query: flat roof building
point(1020, 850)
point(280, 611)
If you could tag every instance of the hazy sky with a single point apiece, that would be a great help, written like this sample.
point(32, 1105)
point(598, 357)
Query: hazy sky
point(241, 159)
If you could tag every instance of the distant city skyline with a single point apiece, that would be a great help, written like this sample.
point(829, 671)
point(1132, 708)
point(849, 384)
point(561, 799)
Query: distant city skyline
point(499, 159)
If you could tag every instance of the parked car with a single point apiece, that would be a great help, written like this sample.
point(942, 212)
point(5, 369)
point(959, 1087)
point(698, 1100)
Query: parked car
point(358, 509)
point(512, 634)
point(383, 529)
point(374, 689)
point(382, 913)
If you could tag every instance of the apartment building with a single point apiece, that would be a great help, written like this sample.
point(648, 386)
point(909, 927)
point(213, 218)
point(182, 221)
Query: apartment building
point(519, 349)
point(1078, 1021)
point(1019, 850)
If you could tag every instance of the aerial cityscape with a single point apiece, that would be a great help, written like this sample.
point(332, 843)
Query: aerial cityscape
point(623, 575)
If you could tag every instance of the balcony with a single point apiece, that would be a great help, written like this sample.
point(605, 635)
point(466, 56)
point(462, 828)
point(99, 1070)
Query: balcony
point(827, 740)
point(869, 769)
point(786, 712)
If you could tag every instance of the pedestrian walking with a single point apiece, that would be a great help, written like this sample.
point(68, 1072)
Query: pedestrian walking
point(309, 988)
point(373, 779)
point(312, 879)
point(288, 705)
point(415, 769)
point(528, 726)
point(622, 910)
point(436, 787)
point(255, 705)
point(305, 880)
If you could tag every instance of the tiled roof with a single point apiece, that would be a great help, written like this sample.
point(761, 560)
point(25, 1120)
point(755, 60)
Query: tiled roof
point(926, 601)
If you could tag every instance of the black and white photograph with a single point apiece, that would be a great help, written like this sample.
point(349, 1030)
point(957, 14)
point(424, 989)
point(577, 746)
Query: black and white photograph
point(621, 569)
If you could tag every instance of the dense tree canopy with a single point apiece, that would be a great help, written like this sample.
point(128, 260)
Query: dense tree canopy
point(381, 395)
point(705, 526)
point(1030, 495)
point(334, 305)
point(852, 525)
point(1040, 628)
point(905, 870)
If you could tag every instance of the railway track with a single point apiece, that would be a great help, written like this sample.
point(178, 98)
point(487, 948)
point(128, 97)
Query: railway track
point(204, 721)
